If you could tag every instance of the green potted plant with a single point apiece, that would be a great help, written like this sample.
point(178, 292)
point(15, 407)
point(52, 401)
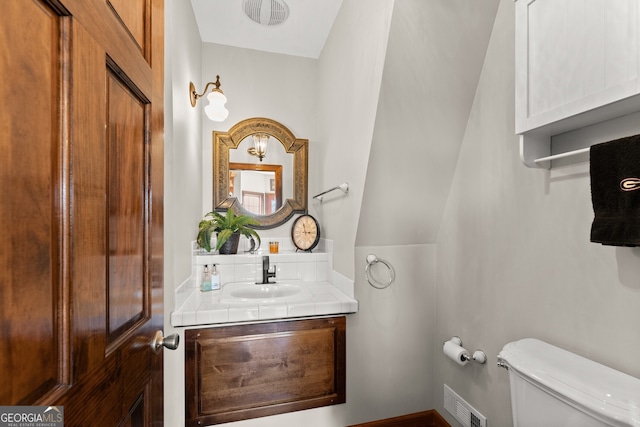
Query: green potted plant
point(228, 228)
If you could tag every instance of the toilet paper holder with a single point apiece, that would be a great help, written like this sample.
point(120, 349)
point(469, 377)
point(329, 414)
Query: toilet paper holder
point(478, 356)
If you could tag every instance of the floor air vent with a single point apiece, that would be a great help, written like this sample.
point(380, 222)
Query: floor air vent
point(465, 413)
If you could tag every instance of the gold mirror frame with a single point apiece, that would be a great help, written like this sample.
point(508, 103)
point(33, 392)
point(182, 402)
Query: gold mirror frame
point(225, 141)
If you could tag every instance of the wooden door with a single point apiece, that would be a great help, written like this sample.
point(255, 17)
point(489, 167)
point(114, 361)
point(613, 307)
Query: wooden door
point(81, 194)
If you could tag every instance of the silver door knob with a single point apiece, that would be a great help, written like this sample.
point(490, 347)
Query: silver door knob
point(171, 342)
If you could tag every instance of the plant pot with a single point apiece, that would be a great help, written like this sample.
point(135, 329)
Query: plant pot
point(231, 245)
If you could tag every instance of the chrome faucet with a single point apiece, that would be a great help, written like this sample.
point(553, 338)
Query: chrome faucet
point(266, 271)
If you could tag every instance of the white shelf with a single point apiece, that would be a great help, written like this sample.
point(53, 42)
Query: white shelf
point(577, 66)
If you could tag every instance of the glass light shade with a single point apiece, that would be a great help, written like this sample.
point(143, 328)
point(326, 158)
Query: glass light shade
point(216, 110)
point(260, 144)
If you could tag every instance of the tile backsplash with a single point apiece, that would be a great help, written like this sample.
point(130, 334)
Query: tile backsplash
point(290, 265)
point(307, 267)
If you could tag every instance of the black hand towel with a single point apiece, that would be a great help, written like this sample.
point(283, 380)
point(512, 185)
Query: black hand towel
point(615, 192)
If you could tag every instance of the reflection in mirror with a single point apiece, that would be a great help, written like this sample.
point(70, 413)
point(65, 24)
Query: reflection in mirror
point(267, 181)
point(257, 187)
point(275, 155)
point(260, 145)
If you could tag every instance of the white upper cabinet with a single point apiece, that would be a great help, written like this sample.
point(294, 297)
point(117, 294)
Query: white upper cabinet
point(577, 64)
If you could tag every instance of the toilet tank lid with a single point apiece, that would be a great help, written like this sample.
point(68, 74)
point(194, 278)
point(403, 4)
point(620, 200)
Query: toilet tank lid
point(597, 389)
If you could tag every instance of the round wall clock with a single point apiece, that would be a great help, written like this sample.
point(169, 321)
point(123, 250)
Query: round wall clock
point(305, 232)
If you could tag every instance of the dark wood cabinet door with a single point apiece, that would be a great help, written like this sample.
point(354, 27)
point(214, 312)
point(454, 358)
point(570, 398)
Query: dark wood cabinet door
point(246, 371)
point(81, 194)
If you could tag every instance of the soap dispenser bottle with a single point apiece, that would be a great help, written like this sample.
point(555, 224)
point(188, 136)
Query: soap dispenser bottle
point(215, 278)
point(205, 282)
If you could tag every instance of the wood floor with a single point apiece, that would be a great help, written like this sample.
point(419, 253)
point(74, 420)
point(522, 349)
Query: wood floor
point(420, 419)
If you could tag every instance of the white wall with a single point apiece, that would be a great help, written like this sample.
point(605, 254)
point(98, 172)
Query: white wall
point(389, 355)
point(350, 73)
point(182, 181)
point(182, 138)
point(432, 66)
point(259, 84)
point(514, 257)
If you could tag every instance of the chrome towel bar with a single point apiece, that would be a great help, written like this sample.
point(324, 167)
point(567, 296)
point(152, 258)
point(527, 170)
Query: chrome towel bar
point(342, 187)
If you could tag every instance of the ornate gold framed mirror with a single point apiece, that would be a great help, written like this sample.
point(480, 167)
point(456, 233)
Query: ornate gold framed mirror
point(260, 170)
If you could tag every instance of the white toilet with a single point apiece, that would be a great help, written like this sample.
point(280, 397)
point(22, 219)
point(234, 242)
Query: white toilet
point(551, 387)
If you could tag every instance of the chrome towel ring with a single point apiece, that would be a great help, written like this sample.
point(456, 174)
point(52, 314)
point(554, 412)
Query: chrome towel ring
point(371, 260)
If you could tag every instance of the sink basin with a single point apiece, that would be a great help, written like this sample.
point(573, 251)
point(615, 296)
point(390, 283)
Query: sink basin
point(266, 291)
point(272, 292)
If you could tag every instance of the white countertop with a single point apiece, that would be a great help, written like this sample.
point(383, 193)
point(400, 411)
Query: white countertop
point(203, 308)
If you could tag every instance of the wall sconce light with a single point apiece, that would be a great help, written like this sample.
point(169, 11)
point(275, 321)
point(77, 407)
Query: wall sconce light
point(215, 110)
point(259, 148)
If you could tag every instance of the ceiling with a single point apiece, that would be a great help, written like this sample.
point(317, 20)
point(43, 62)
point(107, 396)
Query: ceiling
point(303, 34)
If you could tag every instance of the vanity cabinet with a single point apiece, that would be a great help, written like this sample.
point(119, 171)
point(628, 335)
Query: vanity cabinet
point(253, 370)
point(577, 64)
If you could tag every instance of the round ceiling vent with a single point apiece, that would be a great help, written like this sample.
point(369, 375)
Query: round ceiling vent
point(266, 12)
